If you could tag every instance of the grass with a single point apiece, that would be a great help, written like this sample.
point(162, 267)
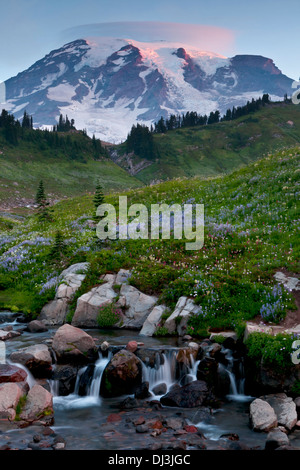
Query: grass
point(251, 231)
point(22, 167)
point(221, 148)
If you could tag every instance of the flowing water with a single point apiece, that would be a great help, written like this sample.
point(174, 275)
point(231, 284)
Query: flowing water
point(84, 421)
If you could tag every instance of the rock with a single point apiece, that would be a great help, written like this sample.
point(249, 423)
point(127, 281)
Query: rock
point(85, 380)
point(152, 321)
point(104, 346)
point(12, 373)
point(142, 391)
point(36, 358)
point(224, 334)
point(159, 389)
point(36, 326)
point(54, 312)
point(66, 376)
point(142, 428)
point(129, 403)
point(137, 307)
point(276, 438)
point(73, 345)
point(254, 328)
point(88, 305)
point(78, 269)
point(132, 346)
point(289, 282)
point(285, 409)
point(150, 357)
point(123, 276)
point(178, 320)
point(273, 381)
point(8, 334)
point(297, 403)
point(38, 406)
point(10, 395)
point(173, 423)
point(122, 375)
point(262, 416)
point(191, 395)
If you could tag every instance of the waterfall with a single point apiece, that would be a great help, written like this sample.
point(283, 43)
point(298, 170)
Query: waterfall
point(161, 373)
point(167, 372)
point(30, 379)
point(237, 391)
point(92, 397)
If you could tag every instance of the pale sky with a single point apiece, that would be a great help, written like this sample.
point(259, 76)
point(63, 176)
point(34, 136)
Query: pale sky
point(30, 29)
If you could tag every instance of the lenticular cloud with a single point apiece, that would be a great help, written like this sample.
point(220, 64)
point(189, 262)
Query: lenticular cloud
point(206, 38)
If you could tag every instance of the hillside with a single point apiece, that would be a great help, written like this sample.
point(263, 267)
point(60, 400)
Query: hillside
point(251, 232)
point(69, 168)
point(216, 148)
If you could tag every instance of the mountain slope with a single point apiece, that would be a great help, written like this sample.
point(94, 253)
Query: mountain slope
point(216, 148)
point(108, 84)
point(65, 173)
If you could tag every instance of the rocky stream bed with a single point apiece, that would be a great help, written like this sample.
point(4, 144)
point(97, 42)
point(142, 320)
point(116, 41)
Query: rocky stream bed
point(116, 390)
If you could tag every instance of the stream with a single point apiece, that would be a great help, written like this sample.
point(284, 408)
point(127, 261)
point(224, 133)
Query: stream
point(85, 422)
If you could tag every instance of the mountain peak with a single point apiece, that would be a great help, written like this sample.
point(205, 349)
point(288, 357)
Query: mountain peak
point(109, 84)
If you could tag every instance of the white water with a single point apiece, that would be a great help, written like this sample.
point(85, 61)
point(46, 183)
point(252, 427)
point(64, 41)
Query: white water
point(92, 398)
point(166, 372)
point(237, 391)
point(30, 379)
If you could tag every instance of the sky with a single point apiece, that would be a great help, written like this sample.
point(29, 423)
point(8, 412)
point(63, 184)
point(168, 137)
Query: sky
point(29, 29)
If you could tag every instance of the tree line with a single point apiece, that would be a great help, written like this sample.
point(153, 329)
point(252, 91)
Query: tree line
point(140, 138)
point(56, 139)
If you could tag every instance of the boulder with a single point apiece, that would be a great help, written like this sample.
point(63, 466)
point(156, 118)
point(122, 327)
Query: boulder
point(191, 395)
point(36, 326)
point(123, 277)
point(159, 389)
point(289, 282)
point(54, 312)
point(122, 375)
point(73, 345)
point(132, 346)
point(65, 376)
point(178, 320)
point(137, 306)
point(12, 373)
point(36, 358)
point(88, 305)
point(10, 395)
point(254, 328)
point(8, 334)
point(262, 416)
point(285, 409)
point(142, 391)
point(276, 438)
point(152, 321)
point(38, 406)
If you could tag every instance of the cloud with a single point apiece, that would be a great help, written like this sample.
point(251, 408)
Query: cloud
point(205, 37)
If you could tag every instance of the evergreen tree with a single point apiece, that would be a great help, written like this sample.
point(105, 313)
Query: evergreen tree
point(42, 203)
point(58, 248)
point(98, 200)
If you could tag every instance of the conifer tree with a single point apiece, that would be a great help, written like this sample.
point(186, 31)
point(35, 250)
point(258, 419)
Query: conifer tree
point(42, 203)
point(98, 200)
point(58, 249)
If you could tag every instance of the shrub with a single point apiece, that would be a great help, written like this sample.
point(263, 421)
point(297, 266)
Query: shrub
point(109, 315)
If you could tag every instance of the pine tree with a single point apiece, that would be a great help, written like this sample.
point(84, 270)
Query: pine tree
point(98, 200)
point(58, 249)
point(42, 203)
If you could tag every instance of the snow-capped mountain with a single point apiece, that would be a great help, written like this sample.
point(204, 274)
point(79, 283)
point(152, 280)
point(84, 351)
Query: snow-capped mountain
point(106, 85)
